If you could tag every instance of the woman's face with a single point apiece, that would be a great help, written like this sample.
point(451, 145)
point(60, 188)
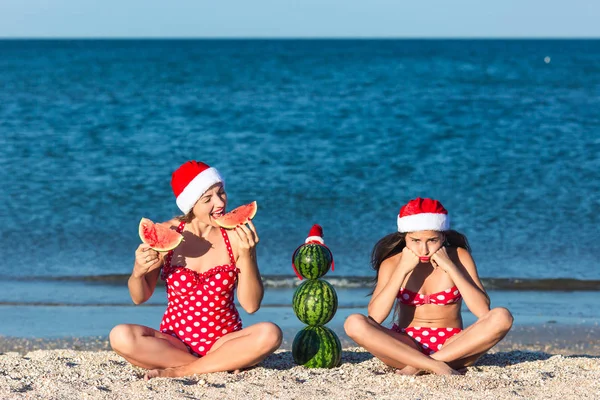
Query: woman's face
point(424, 243)
point(211, 205)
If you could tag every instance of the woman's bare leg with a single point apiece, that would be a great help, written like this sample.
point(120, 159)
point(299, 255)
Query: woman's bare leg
point(148, 348)
point(237, 350)
point(466, 347)
point(394, 349)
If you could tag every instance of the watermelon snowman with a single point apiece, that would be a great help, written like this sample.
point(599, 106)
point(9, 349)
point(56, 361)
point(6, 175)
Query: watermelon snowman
point(315, 303)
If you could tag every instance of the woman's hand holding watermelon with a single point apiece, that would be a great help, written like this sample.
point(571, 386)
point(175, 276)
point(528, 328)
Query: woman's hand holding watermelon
point(248, 239)
point(146, 260)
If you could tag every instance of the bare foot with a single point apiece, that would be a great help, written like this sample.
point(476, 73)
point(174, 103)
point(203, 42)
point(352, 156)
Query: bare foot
point(153, 373)
point(159, 373)
point(441, 368)
point(408, 370)
point(445, 369)
point(240, 370)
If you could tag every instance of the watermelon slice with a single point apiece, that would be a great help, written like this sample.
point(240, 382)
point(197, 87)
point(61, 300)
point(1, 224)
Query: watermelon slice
point(159, 237)
point(239, 216)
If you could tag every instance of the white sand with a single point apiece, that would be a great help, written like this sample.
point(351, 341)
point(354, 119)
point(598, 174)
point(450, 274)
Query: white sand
point(69, 374)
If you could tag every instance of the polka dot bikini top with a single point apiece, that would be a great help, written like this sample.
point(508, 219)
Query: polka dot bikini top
point(192, 278)
point(442, 298)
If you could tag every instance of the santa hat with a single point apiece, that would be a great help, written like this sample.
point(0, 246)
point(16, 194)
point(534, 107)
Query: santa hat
point(423, 215)
point(190, 181)
point(315, 235)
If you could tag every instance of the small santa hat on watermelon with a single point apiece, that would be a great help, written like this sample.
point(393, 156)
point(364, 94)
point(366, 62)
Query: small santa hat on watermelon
point(423, 215)
point(315, 235)
point(190, 181)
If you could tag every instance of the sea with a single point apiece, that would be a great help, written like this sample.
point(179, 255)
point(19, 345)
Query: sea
point(505, 133)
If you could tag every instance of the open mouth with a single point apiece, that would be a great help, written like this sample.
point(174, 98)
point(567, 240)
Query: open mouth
point(217, 214)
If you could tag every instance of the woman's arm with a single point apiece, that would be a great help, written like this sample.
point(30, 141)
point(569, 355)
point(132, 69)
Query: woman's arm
point(146, 268)
point(392, 273)
point(250, 289)
point(465, 277)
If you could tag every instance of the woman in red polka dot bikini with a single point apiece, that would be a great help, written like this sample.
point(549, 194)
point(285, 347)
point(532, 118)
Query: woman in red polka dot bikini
point(427, 270)
point(201, 330)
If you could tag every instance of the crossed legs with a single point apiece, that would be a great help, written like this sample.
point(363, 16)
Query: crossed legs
point(398, 350)
point(167, 356)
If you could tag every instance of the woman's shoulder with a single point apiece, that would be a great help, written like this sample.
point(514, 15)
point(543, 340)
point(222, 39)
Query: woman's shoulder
point(462, 255)
point(391, 261)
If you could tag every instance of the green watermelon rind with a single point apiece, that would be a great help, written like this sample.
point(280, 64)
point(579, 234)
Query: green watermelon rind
point(176, 237)
point(315, 302)
point(312, 260)
point(317, 347)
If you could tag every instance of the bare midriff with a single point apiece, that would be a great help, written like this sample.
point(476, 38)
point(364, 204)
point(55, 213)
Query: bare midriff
point(431, 315)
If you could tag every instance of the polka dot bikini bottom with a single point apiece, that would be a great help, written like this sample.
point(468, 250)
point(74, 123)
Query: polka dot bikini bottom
point(429, 339)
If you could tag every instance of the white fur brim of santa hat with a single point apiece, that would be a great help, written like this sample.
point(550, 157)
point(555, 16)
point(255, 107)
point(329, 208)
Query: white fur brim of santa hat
point(423, 214)
point(424, 222)
point(197, 187)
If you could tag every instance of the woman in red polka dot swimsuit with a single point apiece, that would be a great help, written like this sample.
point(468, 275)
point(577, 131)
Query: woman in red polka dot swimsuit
point(201, 330)
point(427, 270)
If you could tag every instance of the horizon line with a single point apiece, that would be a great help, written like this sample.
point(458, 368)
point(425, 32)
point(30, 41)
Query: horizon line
point(341, 38)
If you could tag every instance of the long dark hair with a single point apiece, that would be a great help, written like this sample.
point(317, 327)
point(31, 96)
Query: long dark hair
point(394, 243)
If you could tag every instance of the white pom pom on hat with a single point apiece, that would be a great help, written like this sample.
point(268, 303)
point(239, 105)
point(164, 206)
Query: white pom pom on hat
point(190, 181)
point(423, 215)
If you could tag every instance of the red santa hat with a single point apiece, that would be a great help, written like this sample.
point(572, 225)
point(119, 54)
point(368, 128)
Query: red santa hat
point(423, 215)
point(315, 235)
point(190, 181)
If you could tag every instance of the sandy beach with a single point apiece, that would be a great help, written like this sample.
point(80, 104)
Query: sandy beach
point(526, 365)
point(70, 374)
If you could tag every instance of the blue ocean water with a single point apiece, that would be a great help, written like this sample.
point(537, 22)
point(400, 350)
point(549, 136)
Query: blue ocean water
point(337, 132)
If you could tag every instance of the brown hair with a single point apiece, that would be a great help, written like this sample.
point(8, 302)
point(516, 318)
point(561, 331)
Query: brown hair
point(187, 218)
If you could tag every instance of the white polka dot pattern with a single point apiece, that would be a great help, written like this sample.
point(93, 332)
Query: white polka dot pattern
point(448, 296)
point(183, 284)
point(428, 339)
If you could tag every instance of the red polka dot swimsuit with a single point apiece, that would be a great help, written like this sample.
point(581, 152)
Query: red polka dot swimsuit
point(428, 339)
point(201, 306)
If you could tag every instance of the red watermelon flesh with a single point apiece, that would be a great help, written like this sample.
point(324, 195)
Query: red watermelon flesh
point(239, 216)
point(158, 237)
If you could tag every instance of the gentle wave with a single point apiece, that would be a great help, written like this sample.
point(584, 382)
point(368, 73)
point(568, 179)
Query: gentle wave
point(160, 305)
point(357, 282)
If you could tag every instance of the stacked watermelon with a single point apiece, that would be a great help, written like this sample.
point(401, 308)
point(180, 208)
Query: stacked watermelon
point(315, 304)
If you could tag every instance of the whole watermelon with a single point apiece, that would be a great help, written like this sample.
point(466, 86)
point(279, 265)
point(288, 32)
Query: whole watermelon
point(312, 260)
point(317, 347)
point(315, 302)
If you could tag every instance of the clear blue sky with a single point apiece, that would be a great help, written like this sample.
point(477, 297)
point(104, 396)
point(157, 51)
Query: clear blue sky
point(302, 18)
